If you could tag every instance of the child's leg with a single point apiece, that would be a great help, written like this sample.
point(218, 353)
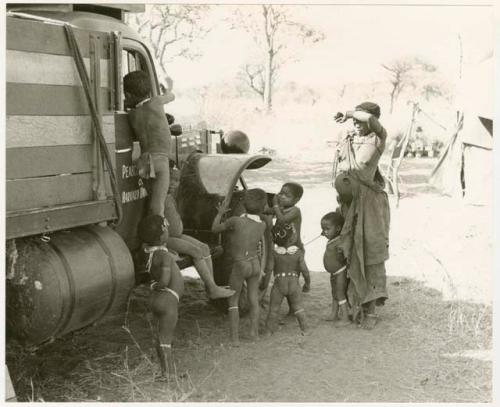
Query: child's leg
point(198, 254)
point(335, 304)
point(340, 288)
point(205, 251)
point(253, 299)
point(165, 307)
point(275, 300)
point(295, 298)
point(236, 283)
point(159, 185)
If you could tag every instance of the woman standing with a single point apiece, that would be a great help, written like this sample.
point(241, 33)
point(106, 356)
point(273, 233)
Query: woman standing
point(365, 207)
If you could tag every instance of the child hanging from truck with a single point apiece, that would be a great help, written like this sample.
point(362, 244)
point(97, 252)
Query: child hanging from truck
point(167, 287)
point(150, 125)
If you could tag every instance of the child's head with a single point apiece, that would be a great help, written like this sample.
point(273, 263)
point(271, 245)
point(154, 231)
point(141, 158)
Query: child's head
point(331, 225)
point(284, 235)
point(255, 201)
point(290, 194)
point(137, 85)
point(153, 229)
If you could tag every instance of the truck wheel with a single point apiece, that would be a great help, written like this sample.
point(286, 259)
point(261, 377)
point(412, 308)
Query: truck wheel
point(222, 270)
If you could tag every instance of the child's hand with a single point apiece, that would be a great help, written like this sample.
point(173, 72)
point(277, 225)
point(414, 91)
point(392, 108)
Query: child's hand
point(306, 288)
point(170, 83)
point(221, 209)
point(276, 201)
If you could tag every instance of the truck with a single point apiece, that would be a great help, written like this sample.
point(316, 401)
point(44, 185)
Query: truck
point(73, 194)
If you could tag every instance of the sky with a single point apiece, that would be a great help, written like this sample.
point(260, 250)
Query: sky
point(358, 39)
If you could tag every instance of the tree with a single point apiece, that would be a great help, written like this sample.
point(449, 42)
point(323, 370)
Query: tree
point(399, 78)
point(416, 75)
point(273, 30)
point(171, 30)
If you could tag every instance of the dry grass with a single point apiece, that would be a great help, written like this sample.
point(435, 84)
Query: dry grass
point(110, 363)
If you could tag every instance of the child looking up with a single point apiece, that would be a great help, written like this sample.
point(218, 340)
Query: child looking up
point(335, 264)
point(167, 286)
point(184, 244)
point(149, 123)
point(243, 234)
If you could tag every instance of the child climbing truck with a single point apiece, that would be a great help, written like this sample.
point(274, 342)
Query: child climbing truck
point(167, 287)
point(150, 125)
point(243, 234)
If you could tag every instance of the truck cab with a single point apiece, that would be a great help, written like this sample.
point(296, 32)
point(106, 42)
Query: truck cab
point(73, 194)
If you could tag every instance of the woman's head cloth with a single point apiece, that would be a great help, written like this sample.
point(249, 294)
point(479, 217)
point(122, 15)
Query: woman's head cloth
point(369, 107)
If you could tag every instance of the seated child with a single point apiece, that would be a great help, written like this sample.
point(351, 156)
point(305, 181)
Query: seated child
point(288, 264)
point(167, 286)
point(243, 234)
point(335, 264)
point(149, 123)
point(184, 244)
point(287, 214)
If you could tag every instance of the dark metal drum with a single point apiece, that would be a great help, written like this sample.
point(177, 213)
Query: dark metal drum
point(70, 281)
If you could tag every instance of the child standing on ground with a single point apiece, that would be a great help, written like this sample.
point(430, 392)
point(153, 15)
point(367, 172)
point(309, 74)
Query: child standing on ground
point(244, 233)
point(167, 287)
point(288, 265)
point(289, 215)
point(335, 264)
point(184, 244)
point(149, 123)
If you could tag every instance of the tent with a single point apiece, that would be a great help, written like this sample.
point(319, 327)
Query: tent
point(465, 169)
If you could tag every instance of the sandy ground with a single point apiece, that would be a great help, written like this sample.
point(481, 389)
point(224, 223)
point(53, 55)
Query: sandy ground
point(433, 341)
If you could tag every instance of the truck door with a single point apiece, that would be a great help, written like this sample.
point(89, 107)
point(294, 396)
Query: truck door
point(131, 56)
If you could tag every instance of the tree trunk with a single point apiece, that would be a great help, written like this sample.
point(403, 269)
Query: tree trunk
point(268, 83)
point(393, 99)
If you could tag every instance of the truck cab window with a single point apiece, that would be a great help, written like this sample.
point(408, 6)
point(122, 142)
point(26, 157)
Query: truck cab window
point(133, 60)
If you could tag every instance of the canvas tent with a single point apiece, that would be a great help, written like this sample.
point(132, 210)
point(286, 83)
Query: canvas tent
point(465, 169)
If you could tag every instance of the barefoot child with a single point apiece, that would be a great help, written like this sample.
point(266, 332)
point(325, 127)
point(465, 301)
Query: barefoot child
point(184, 244)
point(335, 264)
point(150, 125)
point(288, 265)
point(243, 234)
point(167, 287)
point(289, 215)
